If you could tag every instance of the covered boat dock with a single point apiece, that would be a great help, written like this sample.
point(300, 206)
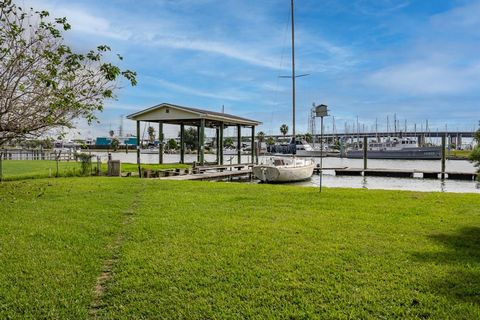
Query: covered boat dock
point(167, 113)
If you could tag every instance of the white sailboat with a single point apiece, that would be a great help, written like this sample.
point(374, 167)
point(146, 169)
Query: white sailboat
point(282, 168)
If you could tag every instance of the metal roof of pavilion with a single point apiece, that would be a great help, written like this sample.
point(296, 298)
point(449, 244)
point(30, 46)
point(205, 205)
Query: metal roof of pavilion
point(188, 116)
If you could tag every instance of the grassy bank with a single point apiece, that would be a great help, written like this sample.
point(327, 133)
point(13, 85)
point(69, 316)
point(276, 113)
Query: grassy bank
point(32, 169)
point(460, 154)
point(201, 250)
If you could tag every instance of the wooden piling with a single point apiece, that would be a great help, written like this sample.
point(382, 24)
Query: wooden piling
point(365, 148)
point(442, 174)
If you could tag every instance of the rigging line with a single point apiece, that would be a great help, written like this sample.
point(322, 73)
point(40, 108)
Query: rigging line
point(143, 135)
point(282, 56)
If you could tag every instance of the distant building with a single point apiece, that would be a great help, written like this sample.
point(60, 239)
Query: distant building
point(106, 141)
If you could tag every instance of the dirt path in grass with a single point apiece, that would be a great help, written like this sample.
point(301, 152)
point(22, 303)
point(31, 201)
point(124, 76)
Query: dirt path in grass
point(114, 249)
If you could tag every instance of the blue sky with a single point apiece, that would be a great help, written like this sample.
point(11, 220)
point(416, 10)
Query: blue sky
point(367, 58)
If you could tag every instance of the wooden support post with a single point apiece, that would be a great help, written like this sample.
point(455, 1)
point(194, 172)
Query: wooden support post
point(365, 150)
point(160, 142)
point(198, 143)
point(138, 149)
point(202, 142)
point(253, 144)
point(221, 142)
point(182, 143)
point(239, 144)
point(217, 144)
point(442, 174)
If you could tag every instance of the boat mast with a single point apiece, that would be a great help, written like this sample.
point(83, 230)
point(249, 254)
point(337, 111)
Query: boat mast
point(293, 71)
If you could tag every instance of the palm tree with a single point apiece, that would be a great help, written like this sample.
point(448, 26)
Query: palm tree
point(151, 134)
point(284, 130)
point(111, 133)
point(261, 136)
point(308, 137)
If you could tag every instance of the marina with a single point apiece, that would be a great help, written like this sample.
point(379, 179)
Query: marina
point(413, 175)
point(236, 164)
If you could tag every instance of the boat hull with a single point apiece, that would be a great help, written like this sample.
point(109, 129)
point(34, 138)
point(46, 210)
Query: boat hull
point(279, 174)
point(149, 151)
point(424, 153)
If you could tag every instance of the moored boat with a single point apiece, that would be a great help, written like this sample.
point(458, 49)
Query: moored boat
point(287, 169)
point(284, 169)
point(397, 148)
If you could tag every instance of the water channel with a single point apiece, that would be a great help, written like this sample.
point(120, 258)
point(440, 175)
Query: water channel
point(330, 180)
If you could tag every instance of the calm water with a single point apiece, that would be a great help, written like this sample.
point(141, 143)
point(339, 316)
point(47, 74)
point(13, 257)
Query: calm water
point(330, 180)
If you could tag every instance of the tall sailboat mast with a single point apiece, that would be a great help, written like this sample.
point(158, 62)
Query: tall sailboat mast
point(293, 71)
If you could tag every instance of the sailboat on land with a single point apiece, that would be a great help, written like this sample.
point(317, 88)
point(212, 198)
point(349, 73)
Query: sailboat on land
point(283, 168)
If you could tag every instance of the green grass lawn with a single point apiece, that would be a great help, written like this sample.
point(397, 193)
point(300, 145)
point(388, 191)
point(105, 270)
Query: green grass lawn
point(31, 169)
point(203, 250)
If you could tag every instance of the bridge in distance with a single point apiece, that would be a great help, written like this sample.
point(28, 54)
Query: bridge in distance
point(429, 134)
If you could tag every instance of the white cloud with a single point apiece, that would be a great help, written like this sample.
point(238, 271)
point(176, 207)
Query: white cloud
point(257, 46)
point(441, 57)
point(230, 94)
point(81, 19)
point(230, 50)
point(427, 78)
point(465, 17)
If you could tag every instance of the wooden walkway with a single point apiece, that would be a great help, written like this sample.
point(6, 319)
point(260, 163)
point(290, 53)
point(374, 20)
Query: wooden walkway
point(230, 172)
point(405, 173)
point(209, 176)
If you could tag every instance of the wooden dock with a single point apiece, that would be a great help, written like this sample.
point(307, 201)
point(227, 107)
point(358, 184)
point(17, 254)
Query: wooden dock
point(214, 173)
point(244, 171)
point(213, 176)
point(405, 173)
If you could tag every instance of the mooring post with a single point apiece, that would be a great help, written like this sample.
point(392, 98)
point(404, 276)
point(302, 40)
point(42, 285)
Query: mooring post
point(365, 148)
point(99, 163)
point(138, 150)
point(442, 174)
point(57, 158)
point(320, 172)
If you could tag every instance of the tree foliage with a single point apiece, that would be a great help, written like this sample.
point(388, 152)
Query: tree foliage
point(260, 136)
point(85, 162)
point(308, 137)
point(270, 141)
point(115, 144)
point(172, 144)
point(228, 142)
point(44, 84)
point(151, 134)
point(190, 138)
point(475, 155)
point(284, 129)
